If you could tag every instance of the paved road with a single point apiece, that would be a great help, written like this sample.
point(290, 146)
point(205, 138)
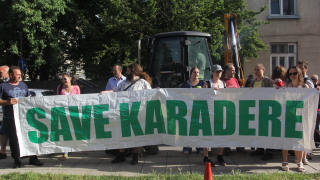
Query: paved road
point(169, 160)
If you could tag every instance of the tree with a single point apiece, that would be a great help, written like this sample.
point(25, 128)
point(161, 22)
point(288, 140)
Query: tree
point(30, 22)
point(96, 34)
point(127, 21)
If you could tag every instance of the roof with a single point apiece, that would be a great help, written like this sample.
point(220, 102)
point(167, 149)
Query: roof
point(181, 33)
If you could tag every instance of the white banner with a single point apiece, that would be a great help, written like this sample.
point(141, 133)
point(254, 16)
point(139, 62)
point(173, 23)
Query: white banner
point(258, 117)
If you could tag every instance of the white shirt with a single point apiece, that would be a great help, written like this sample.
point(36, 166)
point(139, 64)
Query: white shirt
point(139, 85)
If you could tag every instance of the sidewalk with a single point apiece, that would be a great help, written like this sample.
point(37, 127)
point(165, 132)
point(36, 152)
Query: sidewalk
point(169, 160)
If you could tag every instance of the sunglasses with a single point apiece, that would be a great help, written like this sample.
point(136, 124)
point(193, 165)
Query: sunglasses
point(295, 73)
point(64, 79)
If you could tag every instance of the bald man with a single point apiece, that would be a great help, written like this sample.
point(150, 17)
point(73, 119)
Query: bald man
point(4, 77)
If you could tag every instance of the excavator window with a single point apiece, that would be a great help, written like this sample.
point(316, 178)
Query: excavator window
point(167, 59)
point(198, 56)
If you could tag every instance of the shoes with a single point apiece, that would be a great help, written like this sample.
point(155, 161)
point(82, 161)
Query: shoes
point(35, 161)
point(119, 158)
point(64, 157)
point(285, 166)
point(300, 167)
point(208, 160)
point(267, 157)
point(221, 160)
point(305, 161)
point(242, 150)
point(135, 159)
point(256, 153)
point(17, 163)
point(3, 156)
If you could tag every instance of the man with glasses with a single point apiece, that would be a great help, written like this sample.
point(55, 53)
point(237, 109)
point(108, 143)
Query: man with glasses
point(259, 82)
point(303, 65)
point(117, 79)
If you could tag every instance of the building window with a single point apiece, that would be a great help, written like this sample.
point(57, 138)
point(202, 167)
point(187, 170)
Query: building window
point(283, 9)
point(282, 54)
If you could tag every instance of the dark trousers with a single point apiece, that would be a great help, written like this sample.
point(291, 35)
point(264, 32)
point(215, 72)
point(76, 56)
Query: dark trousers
point(12, 136)
point(267, 150)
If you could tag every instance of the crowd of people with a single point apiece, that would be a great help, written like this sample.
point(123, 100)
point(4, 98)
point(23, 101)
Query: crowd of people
point(12, 88)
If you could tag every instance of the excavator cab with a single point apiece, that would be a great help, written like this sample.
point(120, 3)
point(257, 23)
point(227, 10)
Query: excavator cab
point(173, 54)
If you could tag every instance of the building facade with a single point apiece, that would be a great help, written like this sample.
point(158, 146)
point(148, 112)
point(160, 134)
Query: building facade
point(293, 35)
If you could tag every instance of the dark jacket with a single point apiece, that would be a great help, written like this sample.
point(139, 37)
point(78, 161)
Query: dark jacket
point(266, 82)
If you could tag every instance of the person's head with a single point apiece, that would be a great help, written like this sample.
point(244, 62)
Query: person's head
point(66, 78)
point(14, 74)
point(229, 70)
point(314, 78)
point(4, 72)
point(294, 74)
point(216, 71)
point(194, 72)
point(136, 70)
point(279, 72)
point(303, 65)
point(117, 70)
point(133, 70)
point(250, 76)
point(259, 70)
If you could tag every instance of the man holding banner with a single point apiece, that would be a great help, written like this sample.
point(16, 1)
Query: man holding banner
point(260, 82)
point(136, 80)
point(9, 92)
point(4, 77)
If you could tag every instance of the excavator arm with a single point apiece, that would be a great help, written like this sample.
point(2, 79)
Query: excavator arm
point(232, 46)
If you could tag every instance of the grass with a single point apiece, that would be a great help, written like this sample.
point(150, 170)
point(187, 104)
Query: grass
point(182, 176)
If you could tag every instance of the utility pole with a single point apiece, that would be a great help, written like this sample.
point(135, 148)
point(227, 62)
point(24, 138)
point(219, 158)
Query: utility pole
point(21, 55)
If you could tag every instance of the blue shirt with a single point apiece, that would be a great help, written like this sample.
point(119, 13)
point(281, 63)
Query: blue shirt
point(113, 82)
point(9, 91)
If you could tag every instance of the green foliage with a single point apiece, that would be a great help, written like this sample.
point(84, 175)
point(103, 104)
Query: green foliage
point(127, 21)
point(96, 34)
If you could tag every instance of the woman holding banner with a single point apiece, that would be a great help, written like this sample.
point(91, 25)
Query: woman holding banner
point(216, 84)
point(278, 76)
point(68, 87)
point(294, 80)
point(193, 82)
point(136, 80)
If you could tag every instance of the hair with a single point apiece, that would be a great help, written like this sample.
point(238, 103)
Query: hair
point(304, 64)
point(12, 68)
point(315, 76)
point(193, 69)
point(279, 72)
point(73, 79)
point(300, 76)
point(261, 66)
point(227, 66)
point(136, 70)
point(119, 66)
point(6, 67)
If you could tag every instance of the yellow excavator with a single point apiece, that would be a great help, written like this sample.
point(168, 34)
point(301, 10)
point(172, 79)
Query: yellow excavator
point(232, 46)
point(173, 54)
